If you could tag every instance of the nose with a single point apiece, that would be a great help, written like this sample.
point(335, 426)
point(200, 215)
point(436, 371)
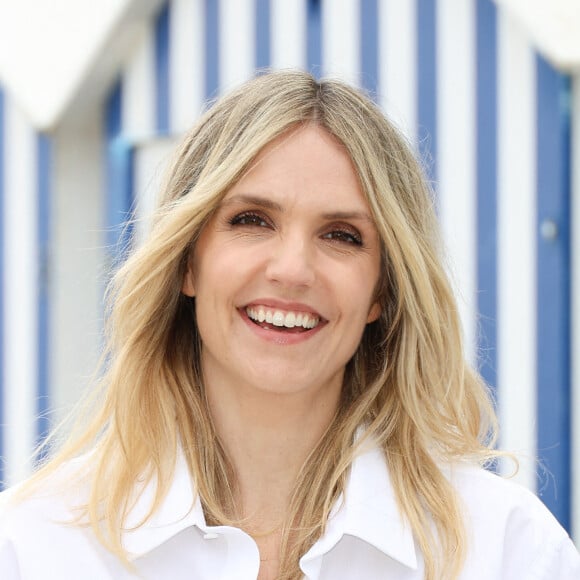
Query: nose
point(291, 262)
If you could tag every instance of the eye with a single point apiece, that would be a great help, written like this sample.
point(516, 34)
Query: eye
point(249, 218)
point(346, 236)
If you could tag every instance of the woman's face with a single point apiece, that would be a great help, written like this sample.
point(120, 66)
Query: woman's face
point(285, 272)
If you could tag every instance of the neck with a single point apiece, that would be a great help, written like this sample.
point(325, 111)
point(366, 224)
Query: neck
point(268, 437)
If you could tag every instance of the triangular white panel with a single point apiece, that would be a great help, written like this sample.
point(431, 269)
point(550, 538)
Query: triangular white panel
point(48, 50)
point(553, 27)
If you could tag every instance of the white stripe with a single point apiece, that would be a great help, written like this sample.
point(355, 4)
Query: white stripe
point(138, 84)
point(186, 68)
point(20, 294)
point(78, 266)
point(237, 42)
point(575, 290)
point(151, 163)
point(341, 39)
point(288, 37)
point(456, 152)
point(398, 63)
point(517, 245)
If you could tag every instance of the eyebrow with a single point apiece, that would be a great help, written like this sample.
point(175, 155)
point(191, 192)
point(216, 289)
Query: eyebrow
point(253, 200)
point(273, 205)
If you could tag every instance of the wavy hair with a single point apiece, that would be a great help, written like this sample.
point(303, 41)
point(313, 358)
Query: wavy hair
point(408, 383)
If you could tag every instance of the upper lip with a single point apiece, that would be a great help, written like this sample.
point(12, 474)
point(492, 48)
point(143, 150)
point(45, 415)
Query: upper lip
point(276, 304)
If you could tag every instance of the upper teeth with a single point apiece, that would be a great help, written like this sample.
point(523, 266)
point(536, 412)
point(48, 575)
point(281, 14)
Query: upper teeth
point(279, 318)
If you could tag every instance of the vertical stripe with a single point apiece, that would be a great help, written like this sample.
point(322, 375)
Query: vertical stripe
point(517, 239)
point(575, 244)
point(263, 35)
point(77, 257)
point(150, 163)
point(341, 40)
point(119, 180)
point(114, 112)
point(186, 21)
point(398, 63)
point(288, 38)
point(20, 293)
point(212, 48)
point(487, 188)
point(427, 85)
point(2, 320)
point(369, 39)
point(237, 42)
point(162, 71)
point(314, 37)
point(456, 151)
point(138, 80)
point(553, 281)
point(43, 155)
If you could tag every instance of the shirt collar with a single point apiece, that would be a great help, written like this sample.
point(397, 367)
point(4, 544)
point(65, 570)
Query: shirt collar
point(368, 510)
point(178, 510)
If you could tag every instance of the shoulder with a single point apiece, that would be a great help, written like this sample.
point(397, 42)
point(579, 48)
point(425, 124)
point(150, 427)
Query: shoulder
point(35, 521)
point(60, 489)
point(20, 508)
point(509, 523)
point(486, 496)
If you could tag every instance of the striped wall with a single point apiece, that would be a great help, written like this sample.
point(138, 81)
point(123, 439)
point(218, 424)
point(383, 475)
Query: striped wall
point(24, 317)
point(490, 119)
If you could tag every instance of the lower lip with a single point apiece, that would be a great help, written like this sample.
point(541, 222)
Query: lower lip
point(280, 337)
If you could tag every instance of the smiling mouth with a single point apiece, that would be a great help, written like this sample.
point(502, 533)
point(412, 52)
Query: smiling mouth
point(274, 319)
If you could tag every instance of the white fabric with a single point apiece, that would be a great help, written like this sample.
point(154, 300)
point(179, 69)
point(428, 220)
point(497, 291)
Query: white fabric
point(512, 536)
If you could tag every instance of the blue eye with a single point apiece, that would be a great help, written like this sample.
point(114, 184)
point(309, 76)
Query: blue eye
point(344, 236)
point(249, 218)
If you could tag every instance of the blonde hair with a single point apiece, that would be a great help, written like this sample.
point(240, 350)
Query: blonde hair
point(408, 383)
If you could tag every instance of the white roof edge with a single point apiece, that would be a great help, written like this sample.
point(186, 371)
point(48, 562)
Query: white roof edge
point(64, 57)
point(553, 27)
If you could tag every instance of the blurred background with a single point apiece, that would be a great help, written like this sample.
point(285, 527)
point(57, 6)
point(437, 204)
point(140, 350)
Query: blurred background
point(95, 95)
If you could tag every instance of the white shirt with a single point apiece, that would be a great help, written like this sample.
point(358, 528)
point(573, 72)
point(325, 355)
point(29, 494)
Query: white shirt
point(511, 535)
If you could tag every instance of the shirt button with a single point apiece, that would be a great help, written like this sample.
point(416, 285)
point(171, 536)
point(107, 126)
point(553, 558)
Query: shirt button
point(210, 536)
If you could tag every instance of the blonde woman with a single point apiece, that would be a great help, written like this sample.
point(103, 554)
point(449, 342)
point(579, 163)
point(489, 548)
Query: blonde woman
point(285, 394)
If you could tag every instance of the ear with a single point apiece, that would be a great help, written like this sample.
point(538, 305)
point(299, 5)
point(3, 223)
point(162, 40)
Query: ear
point(374, 312)
point(188, 287)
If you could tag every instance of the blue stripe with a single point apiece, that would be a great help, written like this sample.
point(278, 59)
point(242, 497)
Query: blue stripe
point(262, 34)
point(427, 85)
point(212, 42)
point(162, 71)
point(487, 187)
point(2, 217)
point(119, 180)
point(314, 37)
point(43, 155)
point(113, 112)
point(369, 35)
point(553, 283)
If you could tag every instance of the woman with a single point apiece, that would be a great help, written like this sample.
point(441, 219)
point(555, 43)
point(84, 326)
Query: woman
point(286, 393)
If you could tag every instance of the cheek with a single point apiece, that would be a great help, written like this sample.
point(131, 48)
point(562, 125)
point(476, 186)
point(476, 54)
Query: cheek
point(364, 287)
point(358, 307)
point(208, 268)
point(218, 277)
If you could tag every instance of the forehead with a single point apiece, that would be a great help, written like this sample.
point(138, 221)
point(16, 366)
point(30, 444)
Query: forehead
point(305, 163)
